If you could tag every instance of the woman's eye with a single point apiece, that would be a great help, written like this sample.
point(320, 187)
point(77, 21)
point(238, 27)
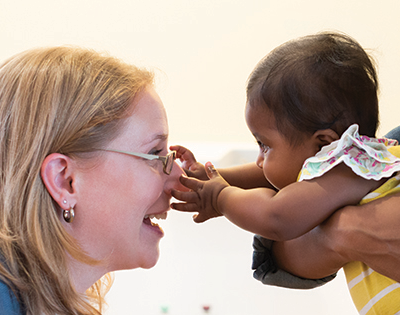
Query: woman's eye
point(155, 152)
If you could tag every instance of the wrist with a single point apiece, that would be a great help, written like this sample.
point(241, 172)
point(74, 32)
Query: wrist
point(221, 199)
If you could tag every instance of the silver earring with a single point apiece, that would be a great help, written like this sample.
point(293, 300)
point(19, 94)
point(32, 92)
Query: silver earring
point(69, 215)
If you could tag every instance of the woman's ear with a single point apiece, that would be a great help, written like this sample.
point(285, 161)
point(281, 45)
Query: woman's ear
point(325, 137)
point(57, 175)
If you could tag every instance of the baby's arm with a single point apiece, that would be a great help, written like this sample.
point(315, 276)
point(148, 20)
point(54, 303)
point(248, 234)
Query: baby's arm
point(283, 215)
point(245, 176)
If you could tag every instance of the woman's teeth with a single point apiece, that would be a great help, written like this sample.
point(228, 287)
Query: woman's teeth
point(160, 216)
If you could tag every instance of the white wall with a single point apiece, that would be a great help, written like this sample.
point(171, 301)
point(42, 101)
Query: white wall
point(205, 49)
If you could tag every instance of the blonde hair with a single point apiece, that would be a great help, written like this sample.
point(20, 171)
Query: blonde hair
point(66, 100)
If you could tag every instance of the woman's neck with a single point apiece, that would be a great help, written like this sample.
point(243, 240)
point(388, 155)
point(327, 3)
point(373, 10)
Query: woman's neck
point(83, 275)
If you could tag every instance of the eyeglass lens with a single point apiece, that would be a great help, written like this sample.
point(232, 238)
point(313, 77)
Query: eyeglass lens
point(169, 163)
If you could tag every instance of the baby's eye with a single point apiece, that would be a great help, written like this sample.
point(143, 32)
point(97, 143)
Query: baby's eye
point(264, 148)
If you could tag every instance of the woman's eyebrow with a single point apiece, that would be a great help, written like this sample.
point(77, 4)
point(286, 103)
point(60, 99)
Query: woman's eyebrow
point(162, 137)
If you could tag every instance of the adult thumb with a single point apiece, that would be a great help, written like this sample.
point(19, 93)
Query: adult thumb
point(211, 171)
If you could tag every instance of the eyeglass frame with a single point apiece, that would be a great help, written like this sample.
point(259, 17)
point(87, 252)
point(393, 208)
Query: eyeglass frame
point(163, 159)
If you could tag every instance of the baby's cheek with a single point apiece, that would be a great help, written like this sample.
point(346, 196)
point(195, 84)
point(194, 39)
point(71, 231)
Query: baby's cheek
point(274, 179)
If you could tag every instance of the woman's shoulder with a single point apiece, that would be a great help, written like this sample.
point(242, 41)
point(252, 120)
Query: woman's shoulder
point(9, 304)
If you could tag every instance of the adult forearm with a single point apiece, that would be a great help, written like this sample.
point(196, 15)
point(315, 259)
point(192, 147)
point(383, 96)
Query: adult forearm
point(369, 233)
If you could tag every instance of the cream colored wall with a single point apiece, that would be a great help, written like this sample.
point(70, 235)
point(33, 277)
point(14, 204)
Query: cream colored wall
point(205, 49)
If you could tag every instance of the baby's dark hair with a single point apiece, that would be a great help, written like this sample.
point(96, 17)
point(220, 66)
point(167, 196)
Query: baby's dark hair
point(317, 82)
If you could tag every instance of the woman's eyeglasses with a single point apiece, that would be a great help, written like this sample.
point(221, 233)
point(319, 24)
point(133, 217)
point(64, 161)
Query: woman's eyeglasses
point(167, 161)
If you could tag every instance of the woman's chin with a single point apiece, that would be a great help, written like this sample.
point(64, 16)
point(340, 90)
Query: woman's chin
point(150, 262)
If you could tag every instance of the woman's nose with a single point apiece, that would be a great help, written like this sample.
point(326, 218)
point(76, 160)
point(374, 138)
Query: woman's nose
point(173, 178)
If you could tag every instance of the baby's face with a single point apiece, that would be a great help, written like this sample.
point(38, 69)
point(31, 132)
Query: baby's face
point(280, 160)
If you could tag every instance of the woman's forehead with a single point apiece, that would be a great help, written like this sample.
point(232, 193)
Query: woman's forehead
point(147, 122)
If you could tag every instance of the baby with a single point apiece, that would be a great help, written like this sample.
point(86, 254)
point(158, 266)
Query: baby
point(312, 107)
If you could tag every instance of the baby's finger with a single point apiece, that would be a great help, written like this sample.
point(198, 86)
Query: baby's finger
point(191, 183)
point(178, 148)
point(198, 218)
point(211, 170)
point(188, 196)
point(185, 207)
point(189, 173)
point(183, 153)
point(197, 173)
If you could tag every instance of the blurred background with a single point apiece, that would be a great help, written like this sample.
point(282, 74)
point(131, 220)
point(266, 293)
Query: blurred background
point(203, 52)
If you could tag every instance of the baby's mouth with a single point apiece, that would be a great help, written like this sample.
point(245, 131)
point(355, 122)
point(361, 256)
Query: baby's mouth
point(148, 218)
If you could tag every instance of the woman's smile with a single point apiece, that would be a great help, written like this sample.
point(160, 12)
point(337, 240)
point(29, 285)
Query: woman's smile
point(149, 220)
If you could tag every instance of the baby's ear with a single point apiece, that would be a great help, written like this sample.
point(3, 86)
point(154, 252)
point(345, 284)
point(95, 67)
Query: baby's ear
point(325, 136)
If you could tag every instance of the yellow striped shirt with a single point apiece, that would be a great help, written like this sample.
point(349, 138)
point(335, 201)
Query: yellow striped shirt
point(373, 293)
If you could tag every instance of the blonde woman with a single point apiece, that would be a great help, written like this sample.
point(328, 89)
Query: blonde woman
point(83, 136)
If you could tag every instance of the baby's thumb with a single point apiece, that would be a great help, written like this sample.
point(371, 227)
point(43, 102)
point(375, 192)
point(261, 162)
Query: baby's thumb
point(211, 170)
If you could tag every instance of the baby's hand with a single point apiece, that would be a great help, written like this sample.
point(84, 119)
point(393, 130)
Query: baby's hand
point(189, 163)
point(203, 196)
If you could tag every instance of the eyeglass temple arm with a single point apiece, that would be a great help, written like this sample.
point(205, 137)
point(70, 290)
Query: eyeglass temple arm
point(142, 155)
